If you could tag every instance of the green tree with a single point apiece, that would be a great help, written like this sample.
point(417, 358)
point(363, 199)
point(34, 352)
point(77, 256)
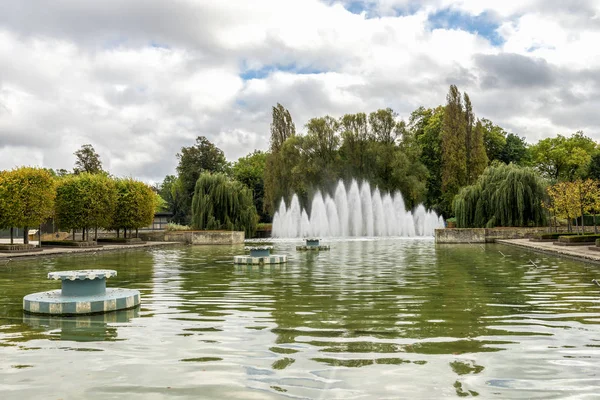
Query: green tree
point(355, 135)
point(85, 201)
point(26, 198)
point(515, 150)
point(276, 176)
point(494, 139)
point(250, 170)
point(204, 156)
point(136, 203)
point(87, 160)
point(384, 127)
point(282, 127)
point(454, 151)
point(504, 195)
point(594, 167)
point(563, 158)
point(426, 125)
point(172, 191)
point(222, 203)
point(477, 159)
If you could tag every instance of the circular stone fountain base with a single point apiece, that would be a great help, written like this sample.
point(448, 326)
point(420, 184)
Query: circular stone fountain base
point(271, 259)
point(55, 303)
point(309, 248)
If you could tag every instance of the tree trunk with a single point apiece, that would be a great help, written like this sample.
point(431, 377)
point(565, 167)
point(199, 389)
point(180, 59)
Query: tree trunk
point(124, 233)
point(40, 236)
point(96, 234)
point(136, 232)
point(73, 234)
point(12, 237)
point(25, 235)
point(118, 233)
point(576, 226)
point(595, 225)
point(582, 223)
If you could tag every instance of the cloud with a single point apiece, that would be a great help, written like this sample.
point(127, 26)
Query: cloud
point(139, 79)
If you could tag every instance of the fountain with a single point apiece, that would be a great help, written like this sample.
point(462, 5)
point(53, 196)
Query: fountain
point(354, 211)
point(82, 292)
point(260, 255)
point(312, 244)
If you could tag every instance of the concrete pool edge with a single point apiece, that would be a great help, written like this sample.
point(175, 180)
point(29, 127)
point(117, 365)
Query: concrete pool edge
point(578, 253)
point(57, 251)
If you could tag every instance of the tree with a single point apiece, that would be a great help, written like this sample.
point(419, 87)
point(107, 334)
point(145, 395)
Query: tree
point(563, 158)
point(136, 203)
point(222, 203)
point(355, 134)
point(469, 125)
point(276, 183)
point(477, 160)
point(250, 170)
point(504, 195)
point(426, 125)
point(384, 127)
point(515, 150)
point(172, 191)
point(26, 198)
point(594, 167)
point(282, 127)
point(454, 151)
point(194, 160)
point(494, 139)
point(87, 160)
point(85, 201)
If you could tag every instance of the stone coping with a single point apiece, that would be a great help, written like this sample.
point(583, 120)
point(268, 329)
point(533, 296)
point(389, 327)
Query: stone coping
point(83, 274)
point(258, 248)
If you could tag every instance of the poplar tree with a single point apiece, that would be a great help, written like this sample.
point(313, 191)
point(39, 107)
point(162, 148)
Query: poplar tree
point(277, 183)
point(477, 158)
point(454, 150)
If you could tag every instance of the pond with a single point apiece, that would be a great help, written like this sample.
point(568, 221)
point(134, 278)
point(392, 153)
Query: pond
point(394, 318)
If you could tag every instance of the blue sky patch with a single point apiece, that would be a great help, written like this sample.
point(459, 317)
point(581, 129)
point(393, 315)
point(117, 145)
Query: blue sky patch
point(484, 24)
point(265, 71)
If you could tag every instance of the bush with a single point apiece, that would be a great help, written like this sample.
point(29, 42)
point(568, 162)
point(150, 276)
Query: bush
point(551, 235)
point(118, 240)
point(578, 238)
point(67, 243)
point(171, 226)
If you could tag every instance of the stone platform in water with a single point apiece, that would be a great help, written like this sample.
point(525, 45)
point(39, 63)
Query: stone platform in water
point(312, 248)
point(270, 259)
point(83, 292)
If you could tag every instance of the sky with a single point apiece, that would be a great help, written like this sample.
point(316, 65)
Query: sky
point(139, 79)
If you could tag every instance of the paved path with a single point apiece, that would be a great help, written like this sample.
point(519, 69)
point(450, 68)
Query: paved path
point(57, 251)
point(578, 252)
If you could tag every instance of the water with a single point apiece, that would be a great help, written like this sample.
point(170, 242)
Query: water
point(354, 212)
point(370, 319)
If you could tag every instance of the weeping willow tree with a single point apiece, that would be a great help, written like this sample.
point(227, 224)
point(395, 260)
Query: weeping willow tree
point(222, 203)
point(504, 195)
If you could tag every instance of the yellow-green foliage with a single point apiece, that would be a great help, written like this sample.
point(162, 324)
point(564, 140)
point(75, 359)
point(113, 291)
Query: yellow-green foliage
point(85, 201)
point(26, 197)
point(222, 203)
point(136, 203)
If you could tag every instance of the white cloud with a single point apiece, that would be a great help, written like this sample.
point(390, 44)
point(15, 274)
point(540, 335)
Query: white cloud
point(138, 80)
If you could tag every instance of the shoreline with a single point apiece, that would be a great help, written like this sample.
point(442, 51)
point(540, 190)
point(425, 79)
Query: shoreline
point(578, 253)
point(59, 251)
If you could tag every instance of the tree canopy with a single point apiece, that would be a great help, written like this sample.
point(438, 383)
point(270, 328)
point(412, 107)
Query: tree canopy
point(87, 160)
point(504, 195)
point(222, 203)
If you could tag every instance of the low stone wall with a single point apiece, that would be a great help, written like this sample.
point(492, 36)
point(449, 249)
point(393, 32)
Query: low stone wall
point(484, 235)
point(195, 237)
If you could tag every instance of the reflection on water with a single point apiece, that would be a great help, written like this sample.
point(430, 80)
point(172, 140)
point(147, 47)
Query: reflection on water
point(367, 319)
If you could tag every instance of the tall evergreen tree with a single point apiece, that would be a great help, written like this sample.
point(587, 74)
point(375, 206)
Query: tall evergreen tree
point(277, 184)
point(469, 123)
point(477, 158)
point(454, 150)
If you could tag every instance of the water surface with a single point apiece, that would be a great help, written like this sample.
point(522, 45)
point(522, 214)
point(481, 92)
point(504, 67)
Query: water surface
point(370, 319)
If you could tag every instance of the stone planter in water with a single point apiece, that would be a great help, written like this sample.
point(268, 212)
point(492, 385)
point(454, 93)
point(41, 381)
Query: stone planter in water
point(312, 244)
point(260, 255)
point(82, 292)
